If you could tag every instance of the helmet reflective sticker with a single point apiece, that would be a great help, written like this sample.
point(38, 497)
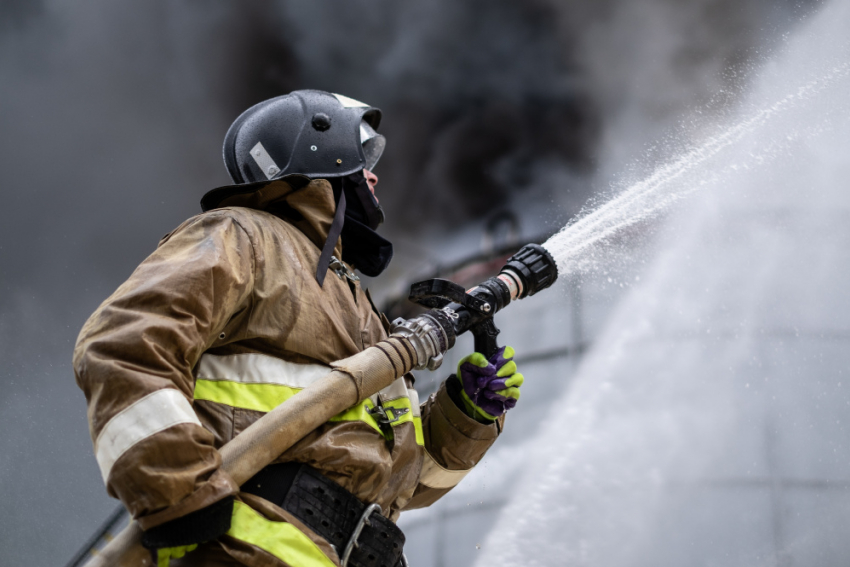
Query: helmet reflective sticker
point(348, 102)
point(264, 160)
point(366, 132)
point(373, 144)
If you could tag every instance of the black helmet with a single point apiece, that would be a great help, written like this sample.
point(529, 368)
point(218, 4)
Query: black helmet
point(316, 134)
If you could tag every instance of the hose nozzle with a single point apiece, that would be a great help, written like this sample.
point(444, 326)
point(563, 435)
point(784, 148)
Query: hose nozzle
point(528, 271)
point(457, 310)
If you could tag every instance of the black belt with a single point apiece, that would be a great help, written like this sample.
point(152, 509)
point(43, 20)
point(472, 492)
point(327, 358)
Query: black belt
point(332, 512)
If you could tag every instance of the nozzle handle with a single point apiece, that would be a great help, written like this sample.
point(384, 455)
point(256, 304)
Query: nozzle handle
point(485, 334)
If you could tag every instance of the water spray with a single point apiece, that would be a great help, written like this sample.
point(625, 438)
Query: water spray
point(535, 267)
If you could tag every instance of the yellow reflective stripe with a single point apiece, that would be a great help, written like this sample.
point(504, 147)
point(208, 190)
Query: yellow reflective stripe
point(417, 427)
point(259, 397)
point(402, 404)
point(283, 540)
point(359, 413)
point(266, 397)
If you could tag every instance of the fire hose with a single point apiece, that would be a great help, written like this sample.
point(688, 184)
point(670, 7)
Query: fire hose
point(416, 343)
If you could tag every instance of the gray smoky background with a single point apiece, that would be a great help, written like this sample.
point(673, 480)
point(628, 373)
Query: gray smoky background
point(112, 116)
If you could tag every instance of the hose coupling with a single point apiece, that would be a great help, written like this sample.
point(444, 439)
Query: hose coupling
point(428, 337)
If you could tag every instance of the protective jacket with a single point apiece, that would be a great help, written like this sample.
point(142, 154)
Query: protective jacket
point(222, 323)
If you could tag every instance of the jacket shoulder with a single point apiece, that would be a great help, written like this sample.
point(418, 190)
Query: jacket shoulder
point(254, 222)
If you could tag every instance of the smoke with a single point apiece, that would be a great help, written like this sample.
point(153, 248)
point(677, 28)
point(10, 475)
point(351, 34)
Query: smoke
point(112, 116)
point(649, 63)
point(474, 93)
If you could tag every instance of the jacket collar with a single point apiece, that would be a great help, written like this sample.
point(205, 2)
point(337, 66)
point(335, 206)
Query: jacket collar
point(310, 207)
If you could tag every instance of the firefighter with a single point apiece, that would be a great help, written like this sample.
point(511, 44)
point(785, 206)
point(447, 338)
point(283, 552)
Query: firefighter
point(237, 310)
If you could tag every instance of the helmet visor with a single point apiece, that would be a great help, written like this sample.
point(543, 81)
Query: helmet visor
point(373, 144)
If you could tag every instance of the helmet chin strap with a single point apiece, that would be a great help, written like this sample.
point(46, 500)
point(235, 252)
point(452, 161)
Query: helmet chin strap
point(333, 236)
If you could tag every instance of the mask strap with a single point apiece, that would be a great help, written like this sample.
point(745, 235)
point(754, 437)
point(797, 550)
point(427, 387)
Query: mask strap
point(333, 236)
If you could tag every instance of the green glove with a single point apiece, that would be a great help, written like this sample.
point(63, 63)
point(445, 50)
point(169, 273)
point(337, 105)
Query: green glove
point(165, 554)
point(490, 387)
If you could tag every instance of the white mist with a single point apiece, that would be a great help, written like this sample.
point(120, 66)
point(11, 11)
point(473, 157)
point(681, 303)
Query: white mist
point(709, 424)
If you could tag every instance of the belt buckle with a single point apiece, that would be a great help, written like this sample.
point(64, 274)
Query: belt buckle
point(355, 535)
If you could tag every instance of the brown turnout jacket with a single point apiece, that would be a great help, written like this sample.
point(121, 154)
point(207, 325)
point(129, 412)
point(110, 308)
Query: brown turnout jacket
point(224, 321)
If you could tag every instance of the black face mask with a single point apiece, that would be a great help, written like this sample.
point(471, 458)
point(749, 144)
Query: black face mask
point(362, 205)
point(362, 247)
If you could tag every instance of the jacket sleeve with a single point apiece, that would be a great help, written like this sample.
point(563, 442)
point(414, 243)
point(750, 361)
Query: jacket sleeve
point(454, 444)
point(134, 359)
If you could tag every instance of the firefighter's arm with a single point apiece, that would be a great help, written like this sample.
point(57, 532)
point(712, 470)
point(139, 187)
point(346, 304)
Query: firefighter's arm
point(462, 420)
point(454, 444)
point(134, 359)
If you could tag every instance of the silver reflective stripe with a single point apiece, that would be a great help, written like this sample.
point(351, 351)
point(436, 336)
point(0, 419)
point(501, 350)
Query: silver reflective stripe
point(148, 416)
point(414, 401)
point(435, 476)
point(264, 160)
point(254, 368)
point(348, 102)
point(396, 390)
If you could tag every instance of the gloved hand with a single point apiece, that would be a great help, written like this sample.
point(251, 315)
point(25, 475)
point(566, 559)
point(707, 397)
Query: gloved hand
point(490, 387)
point(164, 555)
